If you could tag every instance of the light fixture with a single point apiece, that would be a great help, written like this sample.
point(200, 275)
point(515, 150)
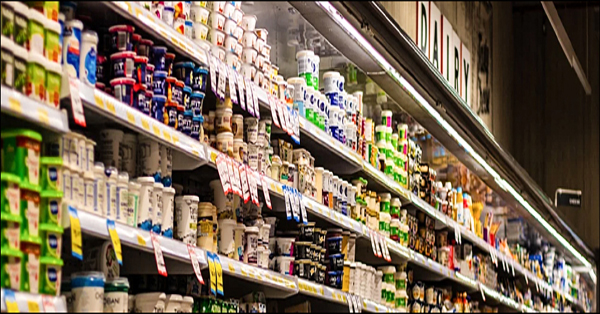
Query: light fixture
point(365, 45)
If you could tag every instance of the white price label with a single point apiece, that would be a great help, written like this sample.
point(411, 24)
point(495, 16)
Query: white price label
point(234, 177)
point(281, 107)
point(253, 188)
point(372, 236)
point(240, 82)
point(255, 101)
point(288, 121)
point(158, 255)
point(213, 73)
point(482, 293)
point(244, 179)
point(195, 263)
point(350, 304)
point(265, 188)
point(223, 173)
point(288, 206)
point(76, 105)
point(386, 251)
point(249, 99)
point(232, 81)
point(273, 105)
point(222, 80)
point(303, 208)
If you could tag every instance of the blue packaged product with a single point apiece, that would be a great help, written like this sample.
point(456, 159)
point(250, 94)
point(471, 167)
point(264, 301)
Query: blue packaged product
point(334, 279)
point(139, 96)
point(145, 107)
point(180, 111)
point(187, 122)
point(158, 107)
point(196, 123)
point(158, 86)
point(176, 91)
point(123, 89)
point(187, 97)
point(71, 46)
point(184, 71)
point(158, 58)
point(333, 245)
point(123, 64)
point(171, 114)
point(121, 37)
point(140, 69)
point(199, 79)
point(196, 100)
point(88, 286)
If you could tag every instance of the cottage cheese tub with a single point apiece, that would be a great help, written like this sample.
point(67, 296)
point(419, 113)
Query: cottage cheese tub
point(116, 299)
point(186, 216)
point(87, 290)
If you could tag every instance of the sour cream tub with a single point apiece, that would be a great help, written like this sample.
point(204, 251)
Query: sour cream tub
point(199, 14)
point(121, 37)
point(145, 211)
point(150, 302)
point(87, 290)
point(116, 299)
point(186, 208)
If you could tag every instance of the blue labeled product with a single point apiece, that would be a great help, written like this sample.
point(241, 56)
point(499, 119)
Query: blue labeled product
point(149, 74)
point(158, 86)
point(123, 89)
point(139, 97)
point(50, 273)
point(186, 98)
point(196, 124)
point(184, 71)
point(89, 279)
point(121, 37)
point(333, 131)
point(100, 69)
point(71, 46)
point(333, 245)
point(336, 262)
point(123, 64)
point(196, 100)
point(333, 99)
point(176, 91)
point(140, 70)
point(146, 106)
point(199, 79)
point(334, 279)
point(158, 55)
point(180, 111)
point(171, 110)
point(158, 107)
point(187, 122)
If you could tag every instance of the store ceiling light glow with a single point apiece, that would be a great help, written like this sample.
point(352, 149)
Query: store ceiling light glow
point(353, 32)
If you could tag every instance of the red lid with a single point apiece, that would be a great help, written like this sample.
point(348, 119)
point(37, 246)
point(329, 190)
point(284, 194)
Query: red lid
point(180, 108)
point(136, 37)
point(123, 54)
point(149, 93)
point(140, 59)
point(180, 83)
point(121, 28)
point(100, 58)
point(100, 85)
point(171, 103)
point(122, 81)
point(171, 79)
point(146, 42)
point(169, 55)
point(140, 87)
point(150, 67)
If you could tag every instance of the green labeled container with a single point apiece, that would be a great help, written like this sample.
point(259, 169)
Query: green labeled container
point(30, 213)
point(36, 31)
point(11, 194)
point(22, 154)
point(51, 207)
point(51, 240)
point(11, 262)
point(30, 267)
point(51, 173)
point(36, 76)
point(50, 275)
point(10, 237)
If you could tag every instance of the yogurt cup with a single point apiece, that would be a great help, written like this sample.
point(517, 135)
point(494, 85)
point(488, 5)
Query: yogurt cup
point(237, 16)
point(145, 210)
point(216, 37)
point(183, 71)
point(248, 70)
point(249, 39)
point(53, 41)
point(218, 6)
point(229, 27)
point(249, 55)
point(159, 86)
point(248, 22)
point(144, 48)
point(50, 275)
point(186, 208)
point(196, 101)
point(123, 89)
point(51, 207)
point(51, 235)
point(36, 76)
point(199, 79)
point(121, 37)
point(139, 100)
point(123, 64)
point(71, 47)
point(217, 21)
point(150, 302)
point(11, 268)
point(218, 51)
point(168, 15)
point(158, 55)
point(116, 299)
point(158, 107)
point(35, 31)
point(168, 196)
point(87, 289)
point(199, 14)
point(250, 252)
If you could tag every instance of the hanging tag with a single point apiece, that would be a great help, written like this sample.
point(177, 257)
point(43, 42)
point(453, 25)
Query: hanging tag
point(386, 250)
point(48, 304)
point(223, 173)
point(288, 207)
point(265, 188)
point(377, 244)
point(195, 263)
point(350, 305)
point(482, 293)
point(11, 301)
point(213, 73)
point(244, 180)
point(222, 80)
point(273, 106)
point(526, 279)
point(255, 100)
point(233, 181)
point(288, 121)
point(158, 255)
point(232, 81)
point(240, 82)
point(116, 242)
point(537, 287)
point(372, 236)
point(303, 209)
point(295, 207)
point(296, 126)
point(212, 272)
point(280, 109)
point(76, 248)
point(355, 303)
point(236, 178)
point(249, 99)
point(253, 188)
point(219, 272)
point(512, 266)
point(76, 105)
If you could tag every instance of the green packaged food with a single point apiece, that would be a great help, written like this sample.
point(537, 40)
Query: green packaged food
point(22, 154)
point(11, 261)
point(8, 20)
point(50, 275)
point(52, 43)
point(8, 61)
point(20, 56)
point(51, 207)
point(36, 77)
point(10, 194)
point(21, 19)
point(51, 174)
point(36, 31)
point(30, 267)
point(30, 213)
point(51, 240)
point(48, 8)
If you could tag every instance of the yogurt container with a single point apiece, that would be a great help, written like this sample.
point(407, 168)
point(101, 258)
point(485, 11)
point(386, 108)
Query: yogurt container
point(36, 77)
point(115, 295)
point(158, 107)
point(133, 201)
point(71, 47)
point(216, 37)
point(199, 14)
point(145, 210)
point(159, 59)
point(121, 37)
point(87, 289)
point(11, 268)
point(87, 60)
point(199, 79)
point(196, 101)
point(250, 252)
point(11, 229)
point(183, 71)
point(30, 266)
point(30, 212)
point(144, 48)
point(185, 224)
point(123, 64)
point(51, 207)
point(53, 41)
point(99, 206)
point(140, 64)
point(168, 195)
point(159, 86)
point(53, 83)
point(169, 58)
point(36, 32)
point(123, 90)
point(51, 235)
point(150, 302)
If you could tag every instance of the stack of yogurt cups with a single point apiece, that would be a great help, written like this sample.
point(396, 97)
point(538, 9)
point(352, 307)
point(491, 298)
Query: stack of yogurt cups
point(225, 34)
point(176, 14)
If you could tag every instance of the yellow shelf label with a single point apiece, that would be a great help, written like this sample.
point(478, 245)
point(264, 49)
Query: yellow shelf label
point(231, 268)
point(116, 241)
point(130, 118)
point(110, 106)
point(76, 248)
point(145, 124)
point(43, 116)
point(141, 240)
point(33, 307)
point(14, 104)
point(99, 101)
point(175, 139)
point(156, 131)
point(167, 136)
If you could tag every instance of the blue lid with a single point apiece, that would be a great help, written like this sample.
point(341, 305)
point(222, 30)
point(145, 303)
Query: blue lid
point(188, 113)
point(198, 94)
point(188, 23)
point(197, 119)
point(162, 49)
point(187, 89)
point(201, 69)
point(162, 74)
point(334, 239)
point(87, 279)
point(184, 64)
point(335, 273)
point(169, 9)
point(159, 98)
point(335, 256)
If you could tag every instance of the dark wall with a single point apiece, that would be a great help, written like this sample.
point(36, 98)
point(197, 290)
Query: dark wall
point(555, 125)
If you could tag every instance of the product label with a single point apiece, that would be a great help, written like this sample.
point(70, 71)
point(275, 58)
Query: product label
point(90, 66)
point(72, 39)
point(33, 212)
point(20, 30)
point(7, 67)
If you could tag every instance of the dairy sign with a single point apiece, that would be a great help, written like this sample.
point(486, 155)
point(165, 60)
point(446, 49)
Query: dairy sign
point(437, 39)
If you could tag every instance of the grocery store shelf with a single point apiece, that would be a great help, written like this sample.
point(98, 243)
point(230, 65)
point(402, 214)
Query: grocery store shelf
point(107, 106)
point(29, 302)
point(19, 105)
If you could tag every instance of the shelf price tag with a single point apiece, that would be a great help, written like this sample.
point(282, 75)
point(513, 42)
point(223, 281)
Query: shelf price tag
point(116, 242)
point(372, 236)
point(235, 180)
point(273, 106)
point(48, 304)
point(219, 272)
point(281, 106)
point(222, 80)
point(386, 251)
point(223, 173)
point(76, 105)
point(302, 208)
point(244, 181)
point(212, 272)
point(350, 305)
point(195, 263)
point(295, 206)
point(158, 255)
point(213, 73)
point(288, 121)
point(76, 248)
point(255, 101)
point(482, 293)
point(232, 82)
point(240, 82)
point(252, 183)
point(249, 98)
point(286, 196)
point(265, 188)
point(33, 306)
point(11, 301)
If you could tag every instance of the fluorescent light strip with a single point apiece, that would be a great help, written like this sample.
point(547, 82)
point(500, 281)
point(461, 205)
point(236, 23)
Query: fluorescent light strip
point(333, 13)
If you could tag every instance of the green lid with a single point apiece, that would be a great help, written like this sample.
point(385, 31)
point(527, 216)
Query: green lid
point(51, 228)
point(47, 260)
point(10, 252)
point(22, 132)
point(10, 177)
point(51, 161)
point(11, 217)
point(51, 194)
point(120, 284)
point(31, 239)
point(30, 187)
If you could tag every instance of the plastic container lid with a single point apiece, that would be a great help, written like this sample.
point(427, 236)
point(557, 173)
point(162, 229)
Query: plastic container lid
point(140, 59)
point(37, 58)
point(145, 180)
point(188, 113)
point(159, 98)
point(159, 49)
point(89, 36)
point(121, 81)
point(52, 26)
point(122, 54)
point(51, 227)
point(302, 53)
point(120, 284)
point(148, 42)
point(10, 252)
point(37, 16)
point(87, 279)
point(192, 198)
point(171, 79)
point(224, 135)
point(296, 80)
point(179, 83)
point(121, 28)
point(74, 24)
point(18, 6)
point(54, 67)
point(22, 132)
point(331, 74)
point(7, 43)
point(184, 64)
point(169, 55)
point(9, 177)
point(252, 229)
point(385, 196)
point(160, 74)
point(187, 299)
point(197, 119)
point(396, 202)
point(197, 94)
